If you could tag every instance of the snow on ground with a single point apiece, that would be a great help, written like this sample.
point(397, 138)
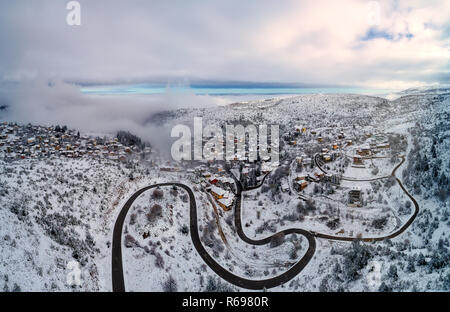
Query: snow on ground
point(60, 208)
point(167, 253)
point(54, 211)
point(245, 260)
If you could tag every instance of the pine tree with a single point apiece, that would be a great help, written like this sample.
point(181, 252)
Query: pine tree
point(411, 267)
point(392, 273)
point(433, 151)
point(421, 259)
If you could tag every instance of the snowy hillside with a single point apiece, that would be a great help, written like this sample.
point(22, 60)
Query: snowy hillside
point(57, 209)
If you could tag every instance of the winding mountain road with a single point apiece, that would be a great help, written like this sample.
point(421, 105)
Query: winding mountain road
point(380, 238)
point(118, 282)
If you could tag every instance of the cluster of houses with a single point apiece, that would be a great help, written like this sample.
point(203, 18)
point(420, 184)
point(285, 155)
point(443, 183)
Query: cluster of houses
point(374, 146)
point(219, 185)
point(336, 140)
point(224, 198)
point(327, 154)
point(298, 130)
point(304, 160)
point(29, 141)
point(301, 180)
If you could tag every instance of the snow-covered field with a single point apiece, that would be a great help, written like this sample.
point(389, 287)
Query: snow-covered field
point(167, 254)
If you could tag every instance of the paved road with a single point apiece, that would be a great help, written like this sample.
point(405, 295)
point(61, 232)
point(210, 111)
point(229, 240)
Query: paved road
point(389, 236)
point(117, 265)
point(350, 179)
point(118, 282)
point(296, 268)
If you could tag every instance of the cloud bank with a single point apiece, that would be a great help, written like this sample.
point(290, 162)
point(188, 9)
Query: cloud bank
point(44, 102)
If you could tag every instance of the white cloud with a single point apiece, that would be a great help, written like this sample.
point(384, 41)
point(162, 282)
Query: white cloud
point(287, 41)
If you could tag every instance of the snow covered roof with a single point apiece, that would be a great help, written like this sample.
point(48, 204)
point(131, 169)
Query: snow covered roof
point(225, 179)
point(227, 202)
point(268, 166)
point(218, 190)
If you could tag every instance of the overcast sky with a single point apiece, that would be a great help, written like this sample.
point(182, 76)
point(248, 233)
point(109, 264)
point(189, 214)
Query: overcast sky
point(318, 42)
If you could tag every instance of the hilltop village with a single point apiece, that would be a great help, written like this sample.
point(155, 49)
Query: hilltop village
point(304, 171)
point(31, 141)
point(360, 185)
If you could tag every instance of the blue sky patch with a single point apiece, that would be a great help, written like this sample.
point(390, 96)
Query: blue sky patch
point(374, 33)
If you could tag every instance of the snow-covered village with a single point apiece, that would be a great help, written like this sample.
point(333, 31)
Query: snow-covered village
point(217, 155)
point(359, 201)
